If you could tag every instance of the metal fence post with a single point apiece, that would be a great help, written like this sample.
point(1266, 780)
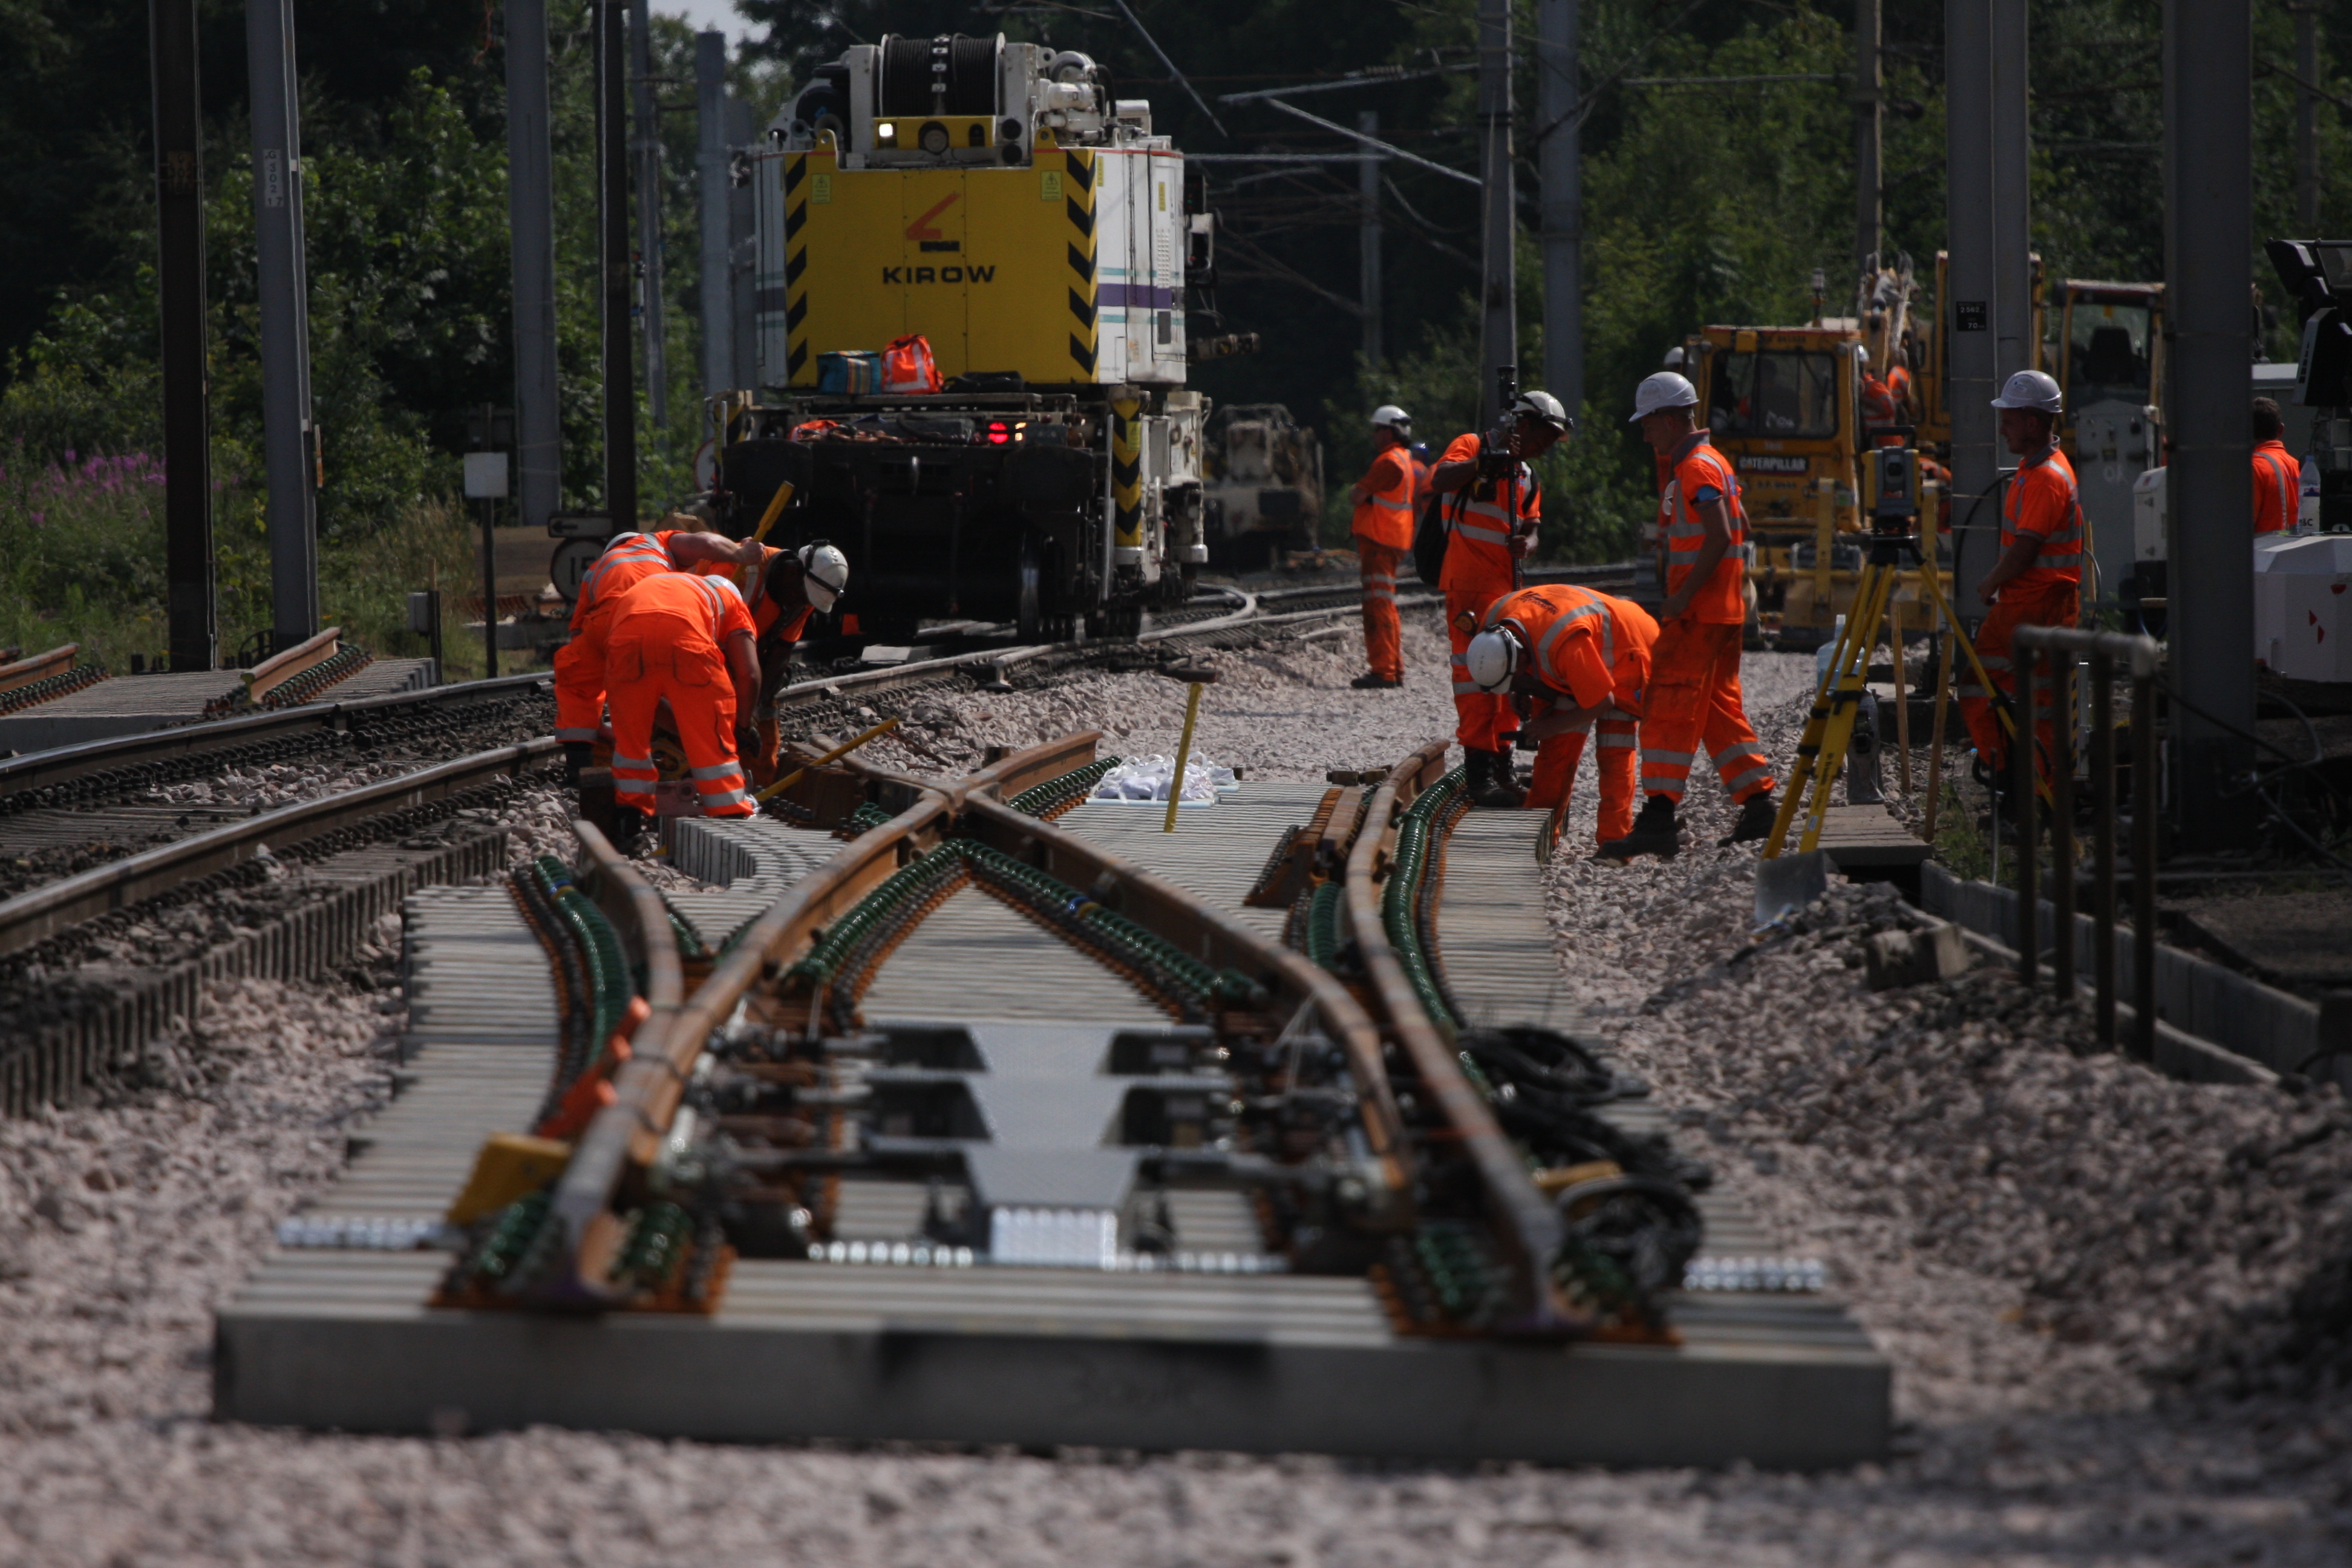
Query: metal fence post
point(2103, 827)
point(2144, 813)
point(2029, 819)
point(2060, 663)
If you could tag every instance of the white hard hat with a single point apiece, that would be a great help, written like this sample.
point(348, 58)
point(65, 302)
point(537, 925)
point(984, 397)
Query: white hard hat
point(1543, 408)
point(1492, 658)
point(825, 573)
point(1388, 415)
point(1675, 357)
point(1666, 389)
point(2029, 389)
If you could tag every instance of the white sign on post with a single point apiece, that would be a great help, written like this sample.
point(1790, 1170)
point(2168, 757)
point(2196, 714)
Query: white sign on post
point(485, 476)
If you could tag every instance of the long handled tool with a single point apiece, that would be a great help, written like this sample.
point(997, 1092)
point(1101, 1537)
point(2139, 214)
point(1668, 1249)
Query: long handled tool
point(1196, 677)
point(834, 755)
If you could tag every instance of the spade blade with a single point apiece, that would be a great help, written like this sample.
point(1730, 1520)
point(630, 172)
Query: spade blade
point(1789, 882)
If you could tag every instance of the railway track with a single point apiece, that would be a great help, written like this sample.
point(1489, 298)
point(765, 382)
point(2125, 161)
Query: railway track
point(96, 837)
point(1015, 1118)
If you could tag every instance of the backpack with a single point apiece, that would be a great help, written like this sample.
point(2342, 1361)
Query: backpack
point(1430, 532)
point(907, 365)
point(848, 373)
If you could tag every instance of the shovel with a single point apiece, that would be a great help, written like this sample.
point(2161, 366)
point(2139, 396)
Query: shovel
point(1789, 882)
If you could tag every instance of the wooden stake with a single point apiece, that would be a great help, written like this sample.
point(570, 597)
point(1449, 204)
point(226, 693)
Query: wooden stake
point(1901, 708)
point(1936, 744)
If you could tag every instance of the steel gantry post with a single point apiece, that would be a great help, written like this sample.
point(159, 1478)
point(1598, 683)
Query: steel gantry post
point(710, 180)
point(1368, 237)
point(531, 216)
point(645, 142)
point(1559, 171)
point(612, 237)
point(288, 438)
point(2209, 277)
point(180, 310)
point(1867, 121)
point(1498, 334)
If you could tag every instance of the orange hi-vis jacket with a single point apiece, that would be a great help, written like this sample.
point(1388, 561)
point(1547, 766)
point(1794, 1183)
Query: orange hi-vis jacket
point(2278, 487)
point(1484, 518)
point(1590, 648)
point(2044, 502)
point(1386, 518)
point(668, 645)
point(1701, 474)
point(752, 582)
point(627, 560)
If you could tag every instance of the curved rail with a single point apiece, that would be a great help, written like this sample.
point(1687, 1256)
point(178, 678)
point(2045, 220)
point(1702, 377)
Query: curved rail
point(1526, 1223)
point(32, 916)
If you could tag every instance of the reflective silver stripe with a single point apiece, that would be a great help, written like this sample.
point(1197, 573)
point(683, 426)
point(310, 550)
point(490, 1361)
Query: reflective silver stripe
point(1664, 758)
point(2290, 498)
point(1612, 738)
point(1568, 618)
point(1968, 692)
point(644, 764)
point(1470, 689)
point(731, 797)
point(716, 771)
point(1993, 660)
point(1379, 596)
point(1734, 752)
point(1483, 535)
point(1741, 781)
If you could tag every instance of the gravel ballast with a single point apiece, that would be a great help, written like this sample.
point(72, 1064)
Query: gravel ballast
point(2080, 1272)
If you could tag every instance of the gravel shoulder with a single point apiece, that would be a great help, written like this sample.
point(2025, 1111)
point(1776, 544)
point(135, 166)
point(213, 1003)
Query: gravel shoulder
point(2080, 1272)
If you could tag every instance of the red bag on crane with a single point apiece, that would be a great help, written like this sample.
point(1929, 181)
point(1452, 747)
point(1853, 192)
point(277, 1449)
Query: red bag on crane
point(907, 366)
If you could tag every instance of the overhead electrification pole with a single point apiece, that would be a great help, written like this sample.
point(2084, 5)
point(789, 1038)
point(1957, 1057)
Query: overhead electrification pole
point(288, 438)
point(1498, 333)
point(2015, 347)
point(613, 231)
point(743, 250)
point(180, 310)
point(1560, 171)
point(1868, 119)
point(530, 217)
point(1368, 192)
point(646, 143)
point(2208, 276)
point(2306, 119)
point(710, 179)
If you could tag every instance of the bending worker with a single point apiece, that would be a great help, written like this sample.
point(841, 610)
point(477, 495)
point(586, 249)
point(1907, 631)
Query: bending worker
point(687, 641)
point(1491, 515)
point(1570, 662)
point(1694, 698)
point(627, 560)
point(2038, 580)
point(1383, 533)
point(2278, 478)
point(783, 588)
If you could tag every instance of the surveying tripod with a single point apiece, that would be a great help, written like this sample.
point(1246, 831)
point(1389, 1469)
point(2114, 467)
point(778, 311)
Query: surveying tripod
point(1893, 473)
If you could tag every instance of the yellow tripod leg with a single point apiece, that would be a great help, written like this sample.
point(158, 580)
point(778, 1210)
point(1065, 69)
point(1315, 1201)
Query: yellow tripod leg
point(1813, 748)
point(1849, 675)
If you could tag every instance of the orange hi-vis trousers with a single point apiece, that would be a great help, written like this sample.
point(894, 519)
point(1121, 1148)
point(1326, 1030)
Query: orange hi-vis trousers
point(1693, 700)
point(654, 659)
point(580, 683)
point(1555, 776)
point(2057, 605)
point(1483, 719)
point(1383, 633)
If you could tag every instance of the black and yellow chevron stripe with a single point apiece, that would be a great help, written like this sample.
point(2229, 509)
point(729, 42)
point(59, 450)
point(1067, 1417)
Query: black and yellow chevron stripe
point(1127, 465)
point(1079, 189)
point(796, 345)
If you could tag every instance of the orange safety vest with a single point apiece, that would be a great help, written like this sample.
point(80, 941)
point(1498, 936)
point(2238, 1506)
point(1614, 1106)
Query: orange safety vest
point(2278, 487)
point(1696, 466)
point(709, 610)
point(1386, 519)
point(628, 560)
point(1479, 552)
point(2043, 500)
point(1587, 645)
point(752, 582)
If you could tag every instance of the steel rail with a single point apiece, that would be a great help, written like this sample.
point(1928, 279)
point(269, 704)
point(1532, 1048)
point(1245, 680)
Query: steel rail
point(626, 1136)
point(1527, 1225)
point(59, 764)
point(43, 911)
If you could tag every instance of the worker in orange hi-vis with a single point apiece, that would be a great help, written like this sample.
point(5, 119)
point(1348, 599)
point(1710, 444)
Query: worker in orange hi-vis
point(786, 588)
point(2037, 582)
point(1384, 500)
point(2278, 478)
point(1492, 509)
point(687, 641)
point(1693, 703)
point(627, 560)
point(1572, 661)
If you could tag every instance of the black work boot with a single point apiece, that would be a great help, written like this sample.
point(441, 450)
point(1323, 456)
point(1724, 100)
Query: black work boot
point(1756, 814)
point(577, 755)
point(629, 826)
point(1373, 680)
point(1655, 832)
point(1490, 782)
